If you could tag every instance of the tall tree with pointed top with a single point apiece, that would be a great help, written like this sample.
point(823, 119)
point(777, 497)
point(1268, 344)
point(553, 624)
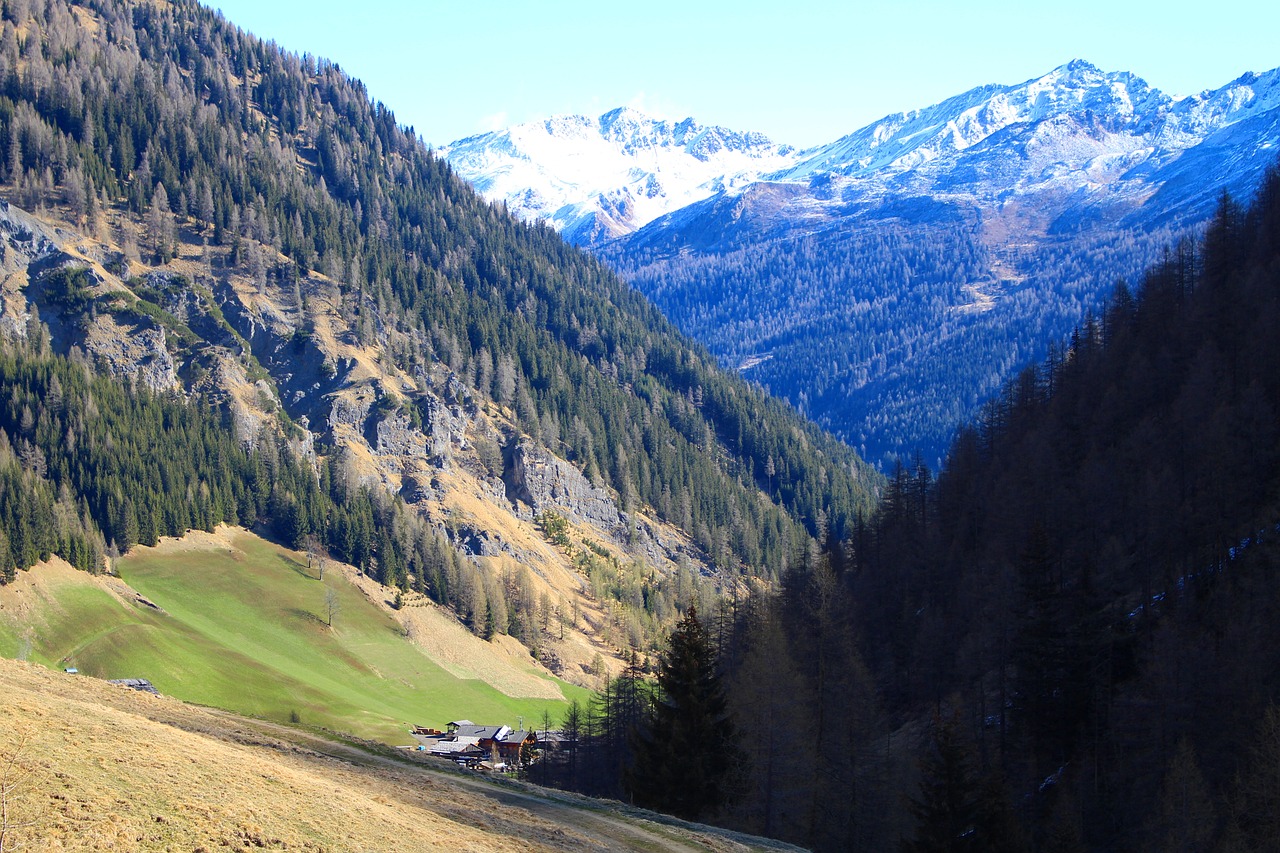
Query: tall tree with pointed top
point(687, 746)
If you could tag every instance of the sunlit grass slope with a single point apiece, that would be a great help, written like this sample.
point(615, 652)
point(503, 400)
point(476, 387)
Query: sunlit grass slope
point(243, 626)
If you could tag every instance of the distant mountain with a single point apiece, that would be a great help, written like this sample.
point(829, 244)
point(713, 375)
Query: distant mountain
point(889, 282)
point(595, 179)
point(1083, 137)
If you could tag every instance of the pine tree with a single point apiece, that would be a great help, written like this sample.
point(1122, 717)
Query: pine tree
point(686, 748)
point(946, 809)
point(959, 809)
point(1184, 819)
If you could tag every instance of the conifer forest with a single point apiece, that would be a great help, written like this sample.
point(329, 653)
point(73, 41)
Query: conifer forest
point(1064, 638)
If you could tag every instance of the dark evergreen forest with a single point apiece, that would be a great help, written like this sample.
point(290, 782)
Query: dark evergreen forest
point(889, 327)
point(1066, 640)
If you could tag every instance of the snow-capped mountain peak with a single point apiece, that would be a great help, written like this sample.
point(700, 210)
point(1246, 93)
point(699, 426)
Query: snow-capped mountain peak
point(937, 134)
point(1074, 129)
point(593, 178)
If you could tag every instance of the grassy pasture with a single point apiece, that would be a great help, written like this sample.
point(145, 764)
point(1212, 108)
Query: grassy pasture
point(241, 624)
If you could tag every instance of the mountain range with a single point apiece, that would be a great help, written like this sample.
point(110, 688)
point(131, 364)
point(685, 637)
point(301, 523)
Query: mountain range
point(1023, 203)
point(595, 179)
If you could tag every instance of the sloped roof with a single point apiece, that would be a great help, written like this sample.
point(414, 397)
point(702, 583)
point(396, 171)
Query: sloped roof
point(518, 736)
point(456, 747)
point(483, 732)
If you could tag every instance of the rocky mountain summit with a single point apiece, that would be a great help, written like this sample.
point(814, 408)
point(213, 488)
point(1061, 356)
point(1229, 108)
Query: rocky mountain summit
point(1091, 139)
point(1077, 131)
point(596, 178)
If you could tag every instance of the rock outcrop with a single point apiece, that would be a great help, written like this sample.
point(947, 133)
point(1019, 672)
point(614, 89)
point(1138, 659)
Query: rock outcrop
point(132, 351)
point(541, 481)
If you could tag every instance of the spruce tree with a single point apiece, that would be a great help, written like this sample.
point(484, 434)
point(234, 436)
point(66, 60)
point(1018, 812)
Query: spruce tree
point(946, 809)
point(687, 746)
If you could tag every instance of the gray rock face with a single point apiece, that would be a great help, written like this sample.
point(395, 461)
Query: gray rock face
point(131, 349)
point(23, 234)
point(22, 241)
point(183, 304)
point(542, 481)
point(352, 413)
point(654, 545)
point(478, 542)
point(393, 433)
point(416, 488)
point(445, 426)
point(132, 352)
point(395, 436)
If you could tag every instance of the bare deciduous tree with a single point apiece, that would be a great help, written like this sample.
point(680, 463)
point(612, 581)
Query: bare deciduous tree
point(332, 605)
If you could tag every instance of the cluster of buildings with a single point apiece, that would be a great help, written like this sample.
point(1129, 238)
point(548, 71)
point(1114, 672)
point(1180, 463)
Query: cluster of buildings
point(497, 748)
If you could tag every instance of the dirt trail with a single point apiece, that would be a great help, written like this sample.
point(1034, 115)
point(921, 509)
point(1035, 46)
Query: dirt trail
point(622, 828)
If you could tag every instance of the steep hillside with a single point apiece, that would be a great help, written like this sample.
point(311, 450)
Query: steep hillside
point(1073, 628)
point(230, 621)
point(1114, 511)
point(496, 421)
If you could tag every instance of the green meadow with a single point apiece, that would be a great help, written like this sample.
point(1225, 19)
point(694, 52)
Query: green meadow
point(244, 628)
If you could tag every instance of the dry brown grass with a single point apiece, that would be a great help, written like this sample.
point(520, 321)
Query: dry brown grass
point(503, 663)
point(114, 769)
point(102, 767)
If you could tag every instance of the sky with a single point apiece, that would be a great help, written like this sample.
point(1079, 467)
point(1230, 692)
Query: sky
point(803, 73)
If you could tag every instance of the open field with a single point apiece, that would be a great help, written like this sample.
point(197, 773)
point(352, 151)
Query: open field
point(232, 621)
point(103, 767)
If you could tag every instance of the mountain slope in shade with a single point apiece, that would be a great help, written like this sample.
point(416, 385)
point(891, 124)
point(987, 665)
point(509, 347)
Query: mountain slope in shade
point(598, 178)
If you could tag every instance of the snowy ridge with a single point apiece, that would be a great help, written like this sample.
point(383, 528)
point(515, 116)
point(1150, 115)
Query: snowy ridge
point(1118, 105)
point(595, 178)
point(1077, 131)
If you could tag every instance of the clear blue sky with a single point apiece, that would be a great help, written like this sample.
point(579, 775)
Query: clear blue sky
point(801, 72)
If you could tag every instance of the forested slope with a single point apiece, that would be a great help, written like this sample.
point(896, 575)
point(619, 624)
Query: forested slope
point(887, 325)
point(1067, 639)
point(286, 249)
